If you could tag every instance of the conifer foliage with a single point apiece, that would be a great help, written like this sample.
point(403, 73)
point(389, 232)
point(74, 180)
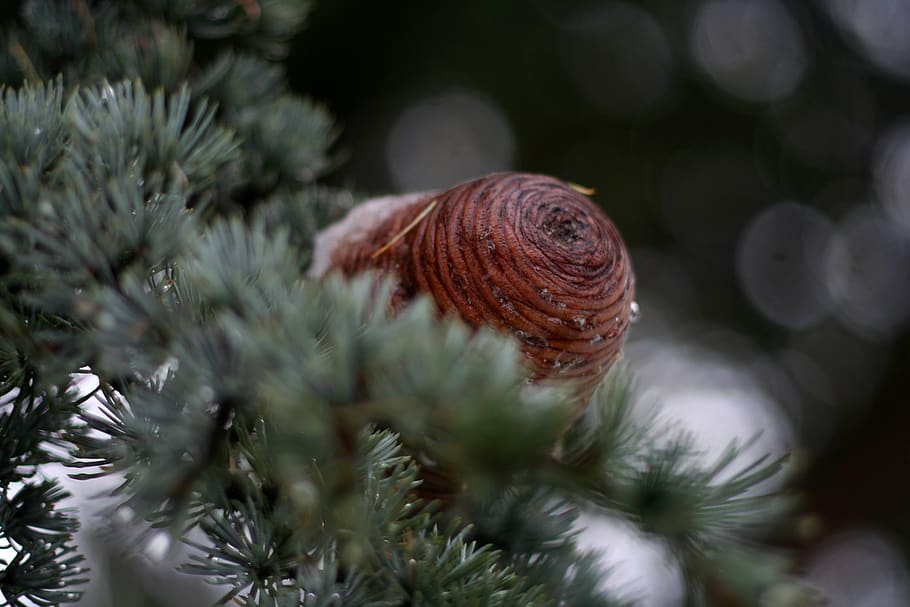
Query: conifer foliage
point(158, 203)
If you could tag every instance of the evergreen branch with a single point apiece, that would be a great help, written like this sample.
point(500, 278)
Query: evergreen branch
point(691, 506)
point(120, 130)
point(443, 567)
point(302, 213)
point(240, 84)
point(61, 31)
point(31, 121)
point(246, 551)
point(42, 575)
point(94, 199)
point(156, 54)
point(534, 528)
point(265, 26)
point(242, 270)
point(709, 515)
point(285, 141)
point(31, 420)
point(44, 566)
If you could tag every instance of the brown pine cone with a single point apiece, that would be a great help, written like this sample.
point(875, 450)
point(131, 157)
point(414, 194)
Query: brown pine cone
point(527, 254)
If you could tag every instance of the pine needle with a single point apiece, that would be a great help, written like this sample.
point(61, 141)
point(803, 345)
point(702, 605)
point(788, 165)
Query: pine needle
point(582, 189)
point(420, 217)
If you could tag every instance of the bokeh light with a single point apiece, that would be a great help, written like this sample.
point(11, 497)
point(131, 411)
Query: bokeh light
point(703, 386)
point(618, 57)
point(878, 28)
point(829, 122)
point(635, 566)
point(860, 568)
point(868, 272)
point(892, 172)
point(780, 264)
point(752, 49)
point(442, 139)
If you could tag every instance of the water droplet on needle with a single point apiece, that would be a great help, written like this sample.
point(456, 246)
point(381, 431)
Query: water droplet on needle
point(634, 312)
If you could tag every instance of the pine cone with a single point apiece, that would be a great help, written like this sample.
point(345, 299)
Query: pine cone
point(527, 254)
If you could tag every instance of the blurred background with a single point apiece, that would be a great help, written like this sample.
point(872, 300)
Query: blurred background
point(756, 156)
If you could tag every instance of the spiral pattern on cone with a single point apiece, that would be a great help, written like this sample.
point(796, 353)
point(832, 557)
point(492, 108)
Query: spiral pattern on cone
point(524, 253)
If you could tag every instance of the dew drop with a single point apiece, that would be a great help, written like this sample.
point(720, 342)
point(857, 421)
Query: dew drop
point(634, 312)
point(107, 92)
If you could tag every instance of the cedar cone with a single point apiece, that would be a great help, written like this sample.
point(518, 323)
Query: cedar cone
point(527, 254)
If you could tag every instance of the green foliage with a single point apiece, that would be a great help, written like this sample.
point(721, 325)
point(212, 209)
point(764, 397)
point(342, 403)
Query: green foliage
point(120, 131)
point(33, 124)
point(302, 213)
point(241, 83)
point(263, 26)
point(155, 232)
point(34, 529)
